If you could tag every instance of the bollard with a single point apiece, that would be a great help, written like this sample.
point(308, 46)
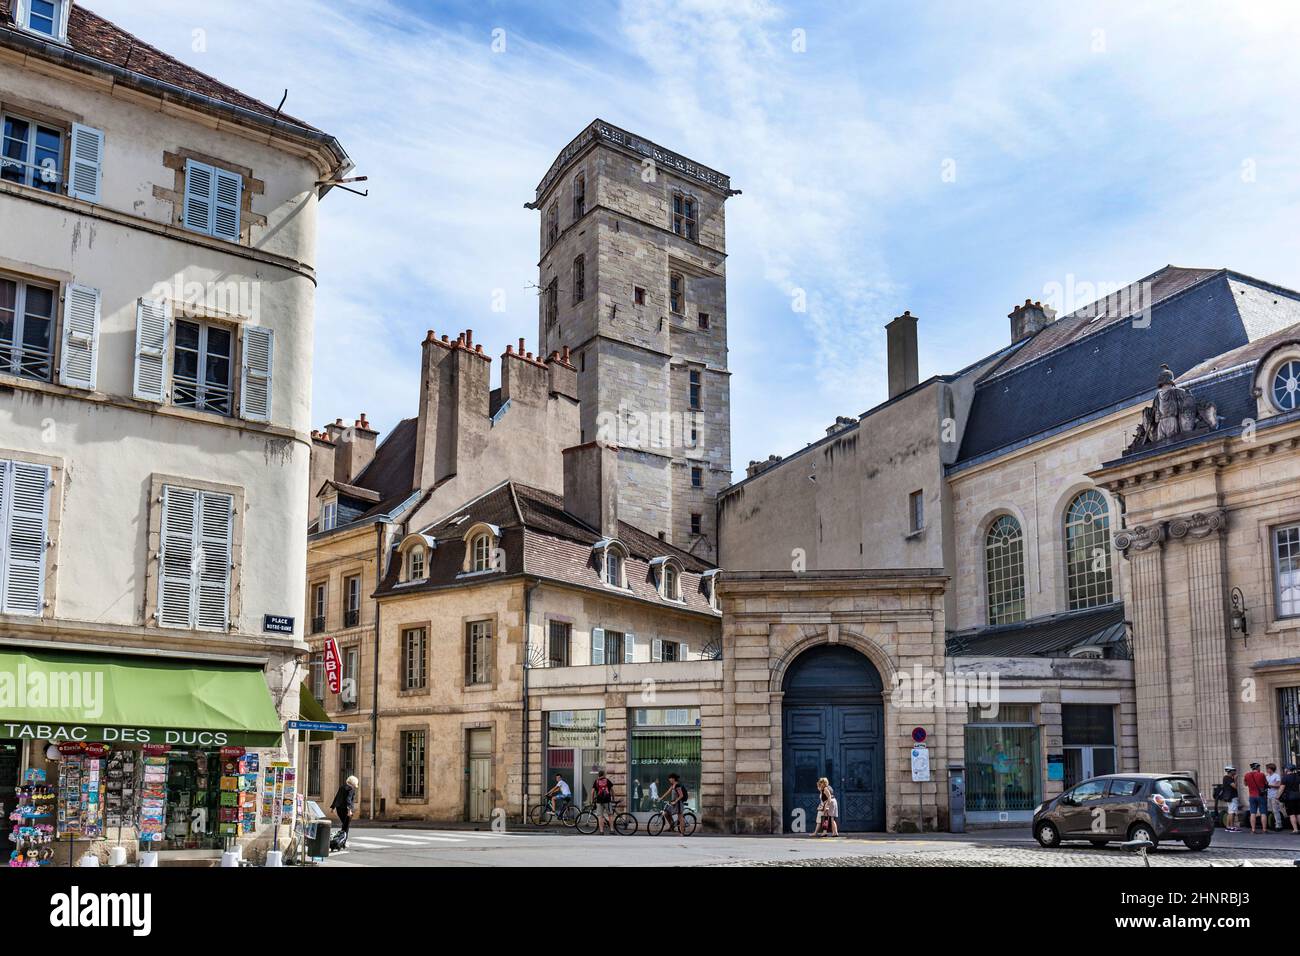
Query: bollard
point(148, 858)
point(117, 856)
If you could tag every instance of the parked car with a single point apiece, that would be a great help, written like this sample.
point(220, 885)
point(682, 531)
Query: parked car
point(1127, 806)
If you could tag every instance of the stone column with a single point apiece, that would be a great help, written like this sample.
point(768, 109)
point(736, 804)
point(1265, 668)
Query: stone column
point(1142, 547)
point(1208, 612)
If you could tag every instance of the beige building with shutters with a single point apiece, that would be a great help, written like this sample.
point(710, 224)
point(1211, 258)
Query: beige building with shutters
point(156, 300)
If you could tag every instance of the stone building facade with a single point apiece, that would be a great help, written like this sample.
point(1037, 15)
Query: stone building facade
point(157, 284)
point(632, 280)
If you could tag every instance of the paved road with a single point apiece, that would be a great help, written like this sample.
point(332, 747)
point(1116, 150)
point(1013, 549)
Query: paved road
point(408, 846)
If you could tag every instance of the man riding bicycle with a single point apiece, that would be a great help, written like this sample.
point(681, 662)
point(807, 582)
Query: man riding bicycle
point(557, 793)
point(675, 803)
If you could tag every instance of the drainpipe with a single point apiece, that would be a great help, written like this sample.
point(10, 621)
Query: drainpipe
point(528, 619)
point(374, 698)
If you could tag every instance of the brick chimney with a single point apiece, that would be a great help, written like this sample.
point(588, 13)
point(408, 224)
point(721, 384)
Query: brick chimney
point(564, 376)
point(323, 454)
point(591, 486)
point(901, 347)
point(1030, 318)
point(354, 449)
point(455, 394)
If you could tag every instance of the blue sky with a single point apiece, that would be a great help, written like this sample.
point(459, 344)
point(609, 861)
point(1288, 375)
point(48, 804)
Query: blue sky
point(947, 158)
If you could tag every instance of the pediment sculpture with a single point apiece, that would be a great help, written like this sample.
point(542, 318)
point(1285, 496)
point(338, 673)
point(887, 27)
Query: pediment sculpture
point(1174, 413)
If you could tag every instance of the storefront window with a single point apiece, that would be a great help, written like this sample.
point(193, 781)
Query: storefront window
point(1288, 706)
point(575, 749)
point(1002, 761)
point(664, 740)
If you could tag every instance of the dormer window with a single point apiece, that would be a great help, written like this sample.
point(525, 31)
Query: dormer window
point(613, 568)
point(709, 585)
point(414, 557)
point(46, 17)
point(668, 574)
point(670, 583)
point(481, 552)
point(329, 516)
point(1285, 387)
point(416, 568)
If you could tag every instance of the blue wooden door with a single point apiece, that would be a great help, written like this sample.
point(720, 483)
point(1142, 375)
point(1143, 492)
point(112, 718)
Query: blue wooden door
point(833, 727)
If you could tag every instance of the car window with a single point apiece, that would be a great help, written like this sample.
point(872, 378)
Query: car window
point(1093, 790)
point(1124, 788)
point(1176, 787)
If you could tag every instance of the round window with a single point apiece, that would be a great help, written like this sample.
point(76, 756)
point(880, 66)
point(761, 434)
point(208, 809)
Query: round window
point(1286, 386)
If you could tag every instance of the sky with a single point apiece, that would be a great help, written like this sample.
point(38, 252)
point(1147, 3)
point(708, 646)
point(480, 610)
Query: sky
point(947, 158)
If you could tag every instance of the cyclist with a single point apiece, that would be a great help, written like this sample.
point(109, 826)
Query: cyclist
point(603, 793)
point(675, 803)
point(559, 793)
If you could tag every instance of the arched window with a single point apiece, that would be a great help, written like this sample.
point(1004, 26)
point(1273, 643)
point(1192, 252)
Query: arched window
point(1286, 386)
point(670, 583)
point(416, 567)
point(1004, 571)
point(1087, 551)
point(481, 552)
point(613, 568)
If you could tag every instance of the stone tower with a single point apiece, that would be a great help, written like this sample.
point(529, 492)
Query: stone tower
point(632, 279)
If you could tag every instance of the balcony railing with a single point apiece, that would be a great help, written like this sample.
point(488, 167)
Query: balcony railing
point(352, 617)
point(317, 624)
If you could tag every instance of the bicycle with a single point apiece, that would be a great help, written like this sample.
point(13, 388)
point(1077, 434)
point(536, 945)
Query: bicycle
point(542, 815)
point(655, 825)
point(624, 823)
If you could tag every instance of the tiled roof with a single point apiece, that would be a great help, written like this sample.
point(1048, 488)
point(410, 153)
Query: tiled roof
point(1054, 635)
point(540, 538)
point(93, 36)
point(1118, 363)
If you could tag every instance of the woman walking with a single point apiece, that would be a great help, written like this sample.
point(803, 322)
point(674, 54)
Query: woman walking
point(827, 810)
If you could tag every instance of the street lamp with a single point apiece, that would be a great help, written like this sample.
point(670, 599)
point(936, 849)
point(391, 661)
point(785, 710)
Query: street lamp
point(1239, 621)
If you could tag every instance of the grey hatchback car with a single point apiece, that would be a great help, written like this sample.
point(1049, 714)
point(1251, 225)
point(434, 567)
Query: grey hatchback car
point(1127, 806)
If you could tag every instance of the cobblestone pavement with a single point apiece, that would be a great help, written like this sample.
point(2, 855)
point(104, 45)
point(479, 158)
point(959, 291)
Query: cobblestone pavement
point(983, 855)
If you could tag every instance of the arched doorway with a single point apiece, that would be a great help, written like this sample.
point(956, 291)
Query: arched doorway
point(833, 720)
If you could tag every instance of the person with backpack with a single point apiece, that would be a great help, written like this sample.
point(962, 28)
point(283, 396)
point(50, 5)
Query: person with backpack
point(603, 794)
point(1227, 791)
point(1257, 794)
point(345, 805)
point(675, 803)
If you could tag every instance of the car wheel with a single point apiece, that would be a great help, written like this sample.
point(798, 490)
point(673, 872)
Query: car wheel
point(1142, 831)
point(1047, 834)
point(1197, 844)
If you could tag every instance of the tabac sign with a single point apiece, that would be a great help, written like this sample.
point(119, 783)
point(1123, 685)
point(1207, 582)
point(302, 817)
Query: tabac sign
point(333, 665)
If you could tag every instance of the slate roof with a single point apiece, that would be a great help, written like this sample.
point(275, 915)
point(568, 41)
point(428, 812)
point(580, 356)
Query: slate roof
point(1091, 367)
point(387, 481)
point(92, 35)
point(1054, 635)
point(540, 538)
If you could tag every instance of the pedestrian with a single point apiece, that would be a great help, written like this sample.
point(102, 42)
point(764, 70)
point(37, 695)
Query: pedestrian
point(1227, 791)
point(832, 810)
point(345, 805)
point(1275, 795)
point(1291, 796)
point(822, 784)
point(603, 791)
point(1257, 794)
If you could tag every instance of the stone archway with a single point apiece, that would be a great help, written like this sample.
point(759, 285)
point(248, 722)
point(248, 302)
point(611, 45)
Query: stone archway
point(832, 721)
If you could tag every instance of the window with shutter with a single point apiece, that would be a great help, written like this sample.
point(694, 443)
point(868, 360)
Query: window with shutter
point(598, 645)
point(195, 559)
point(152, 331)
point(77, 364)
point(24, 504)
point(213, 197)
point(656, 650)
point(87, 158)
point(629, 648)
point(255, 386)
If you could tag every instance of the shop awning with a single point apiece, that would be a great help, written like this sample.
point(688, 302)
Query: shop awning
point(309, 708)
point(121, 699)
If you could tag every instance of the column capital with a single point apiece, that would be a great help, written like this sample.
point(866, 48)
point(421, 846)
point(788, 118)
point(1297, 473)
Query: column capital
point(1140, 539)
point(1202, 524)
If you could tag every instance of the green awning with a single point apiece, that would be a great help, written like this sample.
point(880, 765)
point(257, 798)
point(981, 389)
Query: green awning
point(309, 708)
point(120, 699)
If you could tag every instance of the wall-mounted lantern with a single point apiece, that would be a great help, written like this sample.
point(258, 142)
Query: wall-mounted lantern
point(1239, 620)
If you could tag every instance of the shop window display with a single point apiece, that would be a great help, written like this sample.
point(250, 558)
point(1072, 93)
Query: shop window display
point(1002, 761)
point(664, 740)
point(575, 749)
